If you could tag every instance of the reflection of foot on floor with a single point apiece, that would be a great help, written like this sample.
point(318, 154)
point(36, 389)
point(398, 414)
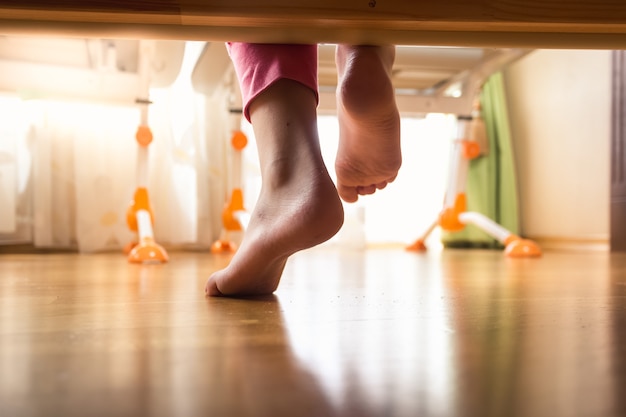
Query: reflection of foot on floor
point(298, 207)
point(254, 378)
point(369, 156)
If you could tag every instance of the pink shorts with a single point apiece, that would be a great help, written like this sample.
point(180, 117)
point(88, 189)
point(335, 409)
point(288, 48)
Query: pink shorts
point(260, 65)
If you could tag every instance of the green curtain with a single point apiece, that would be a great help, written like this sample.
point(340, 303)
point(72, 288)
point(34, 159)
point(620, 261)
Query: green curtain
point(491, 183)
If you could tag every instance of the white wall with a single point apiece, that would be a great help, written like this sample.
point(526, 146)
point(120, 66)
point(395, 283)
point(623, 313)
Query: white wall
point(560, 109)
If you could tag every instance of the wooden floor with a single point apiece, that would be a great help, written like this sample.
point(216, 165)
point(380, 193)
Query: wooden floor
point(375, 333)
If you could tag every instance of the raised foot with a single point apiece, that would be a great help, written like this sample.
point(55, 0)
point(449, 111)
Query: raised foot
point(369, 155)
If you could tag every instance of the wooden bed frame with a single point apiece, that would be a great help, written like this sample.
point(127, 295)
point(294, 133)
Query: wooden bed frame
point(600, 24)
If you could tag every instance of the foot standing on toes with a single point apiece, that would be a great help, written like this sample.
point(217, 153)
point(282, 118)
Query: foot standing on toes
point(298, 207)
point(369, 155)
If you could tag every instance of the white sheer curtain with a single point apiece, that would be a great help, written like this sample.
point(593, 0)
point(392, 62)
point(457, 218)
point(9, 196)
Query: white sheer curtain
point(73, 168)
point(82, 176)
point(15, 168)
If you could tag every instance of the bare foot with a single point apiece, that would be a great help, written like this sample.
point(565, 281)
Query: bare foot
point(368, 156)
point(298, 207)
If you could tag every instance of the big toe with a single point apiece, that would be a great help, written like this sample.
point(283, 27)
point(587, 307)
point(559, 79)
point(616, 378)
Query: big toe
point(211, 289)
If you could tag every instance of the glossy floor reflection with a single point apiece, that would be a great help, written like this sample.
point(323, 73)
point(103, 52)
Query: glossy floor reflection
point(375, 333)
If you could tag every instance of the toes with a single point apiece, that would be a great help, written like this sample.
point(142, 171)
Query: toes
point(211, 289)
point(351, 194)
point(366, 190)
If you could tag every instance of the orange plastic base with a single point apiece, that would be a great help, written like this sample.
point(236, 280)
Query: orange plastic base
point(522, 248)
point(148, 251)
point(417, 246)
point(223, 246)
point(449, 216)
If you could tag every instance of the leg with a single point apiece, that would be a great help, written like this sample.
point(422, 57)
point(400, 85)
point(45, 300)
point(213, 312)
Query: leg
point(298, 206)
point(368, 156)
